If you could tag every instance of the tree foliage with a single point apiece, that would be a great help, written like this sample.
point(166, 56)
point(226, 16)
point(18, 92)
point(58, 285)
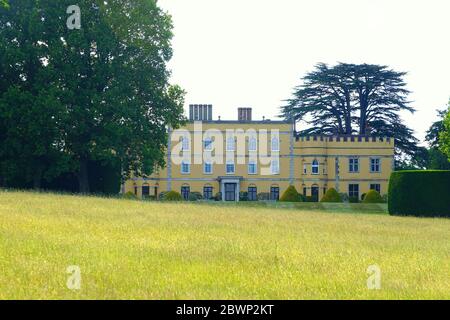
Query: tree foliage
point(100, 93)
point(354, 99)
point(444, 136)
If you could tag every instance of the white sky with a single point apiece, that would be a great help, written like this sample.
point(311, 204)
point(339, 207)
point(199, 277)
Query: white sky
point(252, 53)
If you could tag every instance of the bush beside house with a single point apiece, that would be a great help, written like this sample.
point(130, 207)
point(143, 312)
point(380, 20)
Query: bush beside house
point(373, 197)
point(331, 196)
point(171, 196)
point(291, 195)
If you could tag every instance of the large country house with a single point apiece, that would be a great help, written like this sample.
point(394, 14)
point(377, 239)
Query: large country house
point(262, 157)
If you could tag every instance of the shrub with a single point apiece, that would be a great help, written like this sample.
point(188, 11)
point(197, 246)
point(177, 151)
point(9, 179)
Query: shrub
point(309, 199)
point(419, 193)
point(291, 195)
point(353, 199)
point(171, 196)
point(218, 196)
point(344, 197)
point(243, 196)
point(264, 196)
point(331, 196)
point(373, 197)
point(195, 196)
point(385, 198)
point(129, 195)
point(363, 196)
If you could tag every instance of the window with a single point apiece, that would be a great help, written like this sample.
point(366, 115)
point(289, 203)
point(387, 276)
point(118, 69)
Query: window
point(353, 165)
point(305, 169)
point(230, 143)
point(275, 167)
point(207, 144)
point(207, 192)
point(304, 191)
point(185, 191)
point(324, 191)
point(185, 143)
point(145, 191)
point(353, 191)
point(274, 193)
point(252, 144)
point(185, 167)
point(252, 193)
point(275, 143)
point(375, 164)
point(135, 190)
point(207, 168)
point(315, 167)
point(230, 167)
point(376, 187)
point(252, 168)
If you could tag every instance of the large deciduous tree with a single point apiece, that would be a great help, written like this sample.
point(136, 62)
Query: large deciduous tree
point(354, 99)
point(110, 77)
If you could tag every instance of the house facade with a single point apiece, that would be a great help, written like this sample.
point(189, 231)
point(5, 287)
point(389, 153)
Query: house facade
point(262, 158)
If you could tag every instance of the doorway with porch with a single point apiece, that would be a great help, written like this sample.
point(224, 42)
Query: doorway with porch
point(230, 191)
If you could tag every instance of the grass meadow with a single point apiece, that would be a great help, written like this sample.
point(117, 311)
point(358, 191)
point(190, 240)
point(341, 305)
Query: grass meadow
point(129, 249)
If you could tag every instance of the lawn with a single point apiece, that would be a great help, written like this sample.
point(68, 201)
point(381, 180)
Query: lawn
point(129, 249)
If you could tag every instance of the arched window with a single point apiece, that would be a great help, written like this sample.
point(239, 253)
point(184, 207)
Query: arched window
point(207, 192)
point(274, 192)
point(252, 193)
point(252, 144)
point(185, 191)
point(275, 143)
point(315, 167)
point(145, 190)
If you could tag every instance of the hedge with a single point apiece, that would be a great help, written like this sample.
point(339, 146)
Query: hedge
point(419, 193)
point(331, 196)
point(372, 197)
point(291, 195)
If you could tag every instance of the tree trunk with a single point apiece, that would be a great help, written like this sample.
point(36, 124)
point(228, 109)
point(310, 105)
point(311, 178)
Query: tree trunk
point(83, 176)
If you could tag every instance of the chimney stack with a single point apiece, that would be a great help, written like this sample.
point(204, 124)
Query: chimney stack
point(245, 114)
point(200, 112)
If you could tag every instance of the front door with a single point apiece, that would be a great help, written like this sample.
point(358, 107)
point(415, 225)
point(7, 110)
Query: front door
point(230, 191)
point(315, 193)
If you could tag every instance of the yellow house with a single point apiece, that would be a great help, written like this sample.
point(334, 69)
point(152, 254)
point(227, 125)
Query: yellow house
point(262, 158)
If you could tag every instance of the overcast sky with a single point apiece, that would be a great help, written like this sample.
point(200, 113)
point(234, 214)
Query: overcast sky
point(252, 53)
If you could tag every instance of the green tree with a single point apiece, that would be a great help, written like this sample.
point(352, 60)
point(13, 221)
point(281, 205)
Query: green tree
point(30, 111)
point(436, 158)
point(348, 98)
point(444, 136)
point(110, 77)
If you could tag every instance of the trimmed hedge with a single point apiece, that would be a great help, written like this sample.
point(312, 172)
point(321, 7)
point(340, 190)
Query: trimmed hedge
point(291, 195)
point(372, 197)
point(331, 196)
point(419, 193)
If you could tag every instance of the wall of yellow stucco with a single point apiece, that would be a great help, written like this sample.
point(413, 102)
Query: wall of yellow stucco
point(325, 150)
